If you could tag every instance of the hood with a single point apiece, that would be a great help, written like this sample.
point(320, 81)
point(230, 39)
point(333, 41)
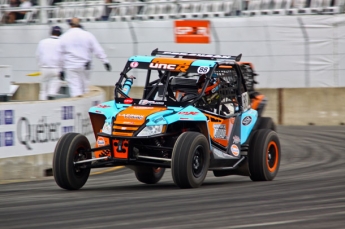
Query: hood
point(132, 118)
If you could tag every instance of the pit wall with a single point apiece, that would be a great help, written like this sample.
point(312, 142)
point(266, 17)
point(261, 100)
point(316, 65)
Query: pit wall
point(30, 130)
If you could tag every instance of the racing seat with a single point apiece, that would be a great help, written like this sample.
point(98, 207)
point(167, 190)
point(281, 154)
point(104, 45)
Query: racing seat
point(184, 88)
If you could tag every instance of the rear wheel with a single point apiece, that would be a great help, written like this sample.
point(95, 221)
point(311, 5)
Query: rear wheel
point(264, 155)
point(149, 175)
point(71, 148)
point(190, 160)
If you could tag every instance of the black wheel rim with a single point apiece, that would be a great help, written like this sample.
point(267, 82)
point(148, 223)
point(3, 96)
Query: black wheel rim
point(80, 155)
point(198, 161)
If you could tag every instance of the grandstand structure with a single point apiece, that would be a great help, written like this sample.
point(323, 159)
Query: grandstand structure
point(127, 10)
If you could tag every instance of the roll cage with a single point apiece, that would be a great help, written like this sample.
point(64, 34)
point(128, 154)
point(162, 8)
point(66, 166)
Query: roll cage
point(225, 70)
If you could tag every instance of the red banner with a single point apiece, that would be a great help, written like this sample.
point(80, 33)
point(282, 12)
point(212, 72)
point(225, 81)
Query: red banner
point(192, 31)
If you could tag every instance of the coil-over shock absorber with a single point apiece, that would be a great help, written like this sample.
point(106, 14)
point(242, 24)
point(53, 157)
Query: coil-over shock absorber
point(163, 154)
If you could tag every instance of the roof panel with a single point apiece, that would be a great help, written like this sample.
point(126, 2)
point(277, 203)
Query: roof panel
point(208, 63)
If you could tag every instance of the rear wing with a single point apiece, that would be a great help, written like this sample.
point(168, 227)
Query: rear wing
point(196, 55)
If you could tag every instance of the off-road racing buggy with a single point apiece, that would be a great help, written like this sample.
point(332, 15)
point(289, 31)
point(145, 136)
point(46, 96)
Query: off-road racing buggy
point(194, 117)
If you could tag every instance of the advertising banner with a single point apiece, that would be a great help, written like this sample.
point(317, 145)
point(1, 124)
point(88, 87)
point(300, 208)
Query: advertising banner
point(190, 31)
point(34, 128)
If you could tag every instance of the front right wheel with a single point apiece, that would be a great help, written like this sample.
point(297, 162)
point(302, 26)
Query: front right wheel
point(264, 155)
point(190, 160)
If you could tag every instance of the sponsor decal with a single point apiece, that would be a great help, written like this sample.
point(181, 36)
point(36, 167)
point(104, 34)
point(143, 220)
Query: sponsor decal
point(186, 118)
point(247, 120)
point(128, 101)
point(103, 106)
point(67, 112)
point(95, 103)
point(67, 129)
point(160, 119)
point(134, 64)
point(106, 128)
point(128, 123)
point(132, 116)
point(100, 141)
point(43, 130)
point(163, 66)
point(40, 132)
point(182, 68)
point(219, 131)
point(222, 73)
point(234, 150)
point(6, 117)
point(192, 31)
point(203, 70)
point(214, 89)
point(245, 100)
point(143, 108)
point(147, 102)
point(188, 113)
point(252, 112)
point(198, 55)
point(82, 125)
point(6, 138)
point(100, 112)
point(236, 139)
point(217, 152)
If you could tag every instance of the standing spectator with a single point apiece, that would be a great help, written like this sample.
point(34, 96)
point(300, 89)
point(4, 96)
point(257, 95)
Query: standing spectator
point(76, 49)
point(107, 10)
point(49, 63)
point(13, 16)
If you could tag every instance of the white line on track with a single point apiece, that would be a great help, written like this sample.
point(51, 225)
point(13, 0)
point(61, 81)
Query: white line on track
point(285, 221)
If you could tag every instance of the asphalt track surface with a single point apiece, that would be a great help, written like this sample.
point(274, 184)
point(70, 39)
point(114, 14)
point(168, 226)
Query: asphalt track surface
point(309, 192)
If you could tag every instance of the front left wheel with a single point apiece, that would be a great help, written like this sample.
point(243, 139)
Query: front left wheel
point(71, 147)
point(190, 160)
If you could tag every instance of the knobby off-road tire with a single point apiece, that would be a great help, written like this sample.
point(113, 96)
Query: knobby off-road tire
point(266, 123)
point(264, 155)
point(190, 160)
point(149, 175)
point(67, 151)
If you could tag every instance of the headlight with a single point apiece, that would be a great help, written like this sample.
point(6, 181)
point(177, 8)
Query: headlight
point(106, 128)
point(152, 130)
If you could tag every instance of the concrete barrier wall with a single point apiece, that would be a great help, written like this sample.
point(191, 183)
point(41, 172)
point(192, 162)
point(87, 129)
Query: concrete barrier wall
point(30, 130)
point(26, 92)
point(300, 106)
point(290, 106)
point(313, 106)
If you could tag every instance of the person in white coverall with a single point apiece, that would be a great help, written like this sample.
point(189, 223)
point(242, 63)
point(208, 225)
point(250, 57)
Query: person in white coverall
point(76, 49)
point(49, 62)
